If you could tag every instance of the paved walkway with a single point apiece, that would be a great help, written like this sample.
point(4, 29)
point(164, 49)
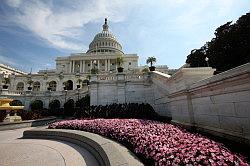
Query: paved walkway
point(29, 152)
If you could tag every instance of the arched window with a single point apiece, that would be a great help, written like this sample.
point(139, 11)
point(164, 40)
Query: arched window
point(20, 86)
point(68, 85)
point(36, 86)
point(52, 85)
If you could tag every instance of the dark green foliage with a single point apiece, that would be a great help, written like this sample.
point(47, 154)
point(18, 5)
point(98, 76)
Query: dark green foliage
point(69, 108)
point(2, 115)
point(229, 48)
point(127, 110)
point(31, 115)
point(54, 108)
point(16, 103)
point(36, 105)
point(83, 102)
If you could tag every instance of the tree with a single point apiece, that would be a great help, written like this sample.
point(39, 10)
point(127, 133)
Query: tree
point(119, 60)
point(6, 81)
point(36, 105)
point(30, 83)
point(229, 48)
point(79, 81)
point(151, 60)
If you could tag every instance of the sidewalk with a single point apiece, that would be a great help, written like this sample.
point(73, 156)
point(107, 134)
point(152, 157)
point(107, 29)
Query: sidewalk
point(29, 152)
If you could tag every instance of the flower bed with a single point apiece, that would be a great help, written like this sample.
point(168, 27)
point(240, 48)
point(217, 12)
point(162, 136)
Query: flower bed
point(159, 143)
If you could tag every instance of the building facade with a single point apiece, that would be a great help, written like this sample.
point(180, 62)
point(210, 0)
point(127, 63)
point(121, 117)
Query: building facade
point(71, 71)
point(6, 70)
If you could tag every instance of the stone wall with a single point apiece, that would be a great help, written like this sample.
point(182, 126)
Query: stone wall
point(193, 97)
point(219, 105)
point(121, 88)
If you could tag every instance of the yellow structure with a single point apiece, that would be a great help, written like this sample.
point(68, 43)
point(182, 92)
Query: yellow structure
point(5, 105)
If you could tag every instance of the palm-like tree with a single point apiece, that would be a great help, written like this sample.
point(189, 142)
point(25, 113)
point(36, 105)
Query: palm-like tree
point(151, 60)
point(119, 60)
point(6, 81)
point(79, 81)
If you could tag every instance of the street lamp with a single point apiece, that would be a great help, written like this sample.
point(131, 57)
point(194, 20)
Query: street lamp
point(78, 90)
point(94, 62)
point(65, 95)
point(207, 59)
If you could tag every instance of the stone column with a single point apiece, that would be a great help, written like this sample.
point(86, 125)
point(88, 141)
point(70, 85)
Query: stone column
point(83, 66)
point(80, 66)
point(73, 67)
point(108, 64)
point(98, 64)
point(106, 67)
point(70, 67)
point(91, 65)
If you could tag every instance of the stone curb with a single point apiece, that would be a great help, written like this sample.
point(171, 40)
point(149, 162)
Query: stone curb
point(26, 123)
point(106, 151)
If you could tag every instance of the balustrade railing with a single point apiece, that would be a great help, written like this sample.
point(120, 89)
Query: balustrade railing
point(44, 93)
point(113, 77)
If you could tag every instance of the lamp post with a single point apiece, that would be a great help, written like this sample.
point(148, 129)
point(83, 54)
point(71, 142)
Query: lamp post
point(78, 90)
point(207, 59)
point(94, 62)
point(65, 95)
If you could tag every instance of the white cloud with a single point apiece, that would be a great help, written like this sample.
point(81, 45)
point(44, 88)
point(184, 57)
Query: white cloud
point(14, 3)
point(62, 26)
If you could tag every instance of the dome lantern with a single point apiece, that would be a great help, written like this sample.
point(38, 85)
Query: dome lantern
point(105, 42)
point(105, 26)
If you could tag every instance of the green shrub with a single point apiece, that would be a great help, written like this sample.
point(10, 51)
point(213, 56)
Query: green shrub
point(126, 110)
point(69, 107)
point(2, 115)
point(36, 105)
point(83, 102)
point(54, 108)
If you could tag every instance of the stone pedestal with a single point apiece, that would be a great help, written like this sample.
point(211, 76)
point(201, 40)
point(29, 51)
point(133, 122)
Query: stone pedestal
point(5, 92)
point(14, 118)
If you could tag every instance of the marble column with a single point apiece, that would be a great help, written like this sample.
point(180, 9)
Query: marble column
point(83, 66)
point(73, 67)
point(70, 67)
point(80, 66)
point(108, 64)
point(106, 67)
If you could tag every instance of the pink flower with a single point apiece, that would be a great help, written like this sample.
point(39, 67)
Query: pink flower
point(162, 143)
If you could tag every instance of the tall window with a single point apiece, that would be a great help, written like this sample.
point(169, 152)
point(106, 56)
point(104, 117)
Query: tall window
point(20, 86)
point(52, 85)
point(36, 86)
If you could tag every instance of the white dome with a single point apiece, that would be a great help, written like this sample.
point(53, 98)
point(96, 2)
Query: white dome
point(105, 41)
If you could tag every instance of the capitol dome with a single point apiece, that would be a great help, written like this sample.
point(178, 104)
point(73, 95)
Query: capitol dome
point(105, 42)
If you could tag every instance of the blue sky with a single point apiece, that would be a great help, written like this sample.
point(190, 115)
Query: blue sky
point(34, 33)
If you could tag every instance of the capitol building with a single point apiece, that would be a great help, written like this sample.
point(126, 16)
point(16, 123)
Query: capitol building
point(74, 70)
